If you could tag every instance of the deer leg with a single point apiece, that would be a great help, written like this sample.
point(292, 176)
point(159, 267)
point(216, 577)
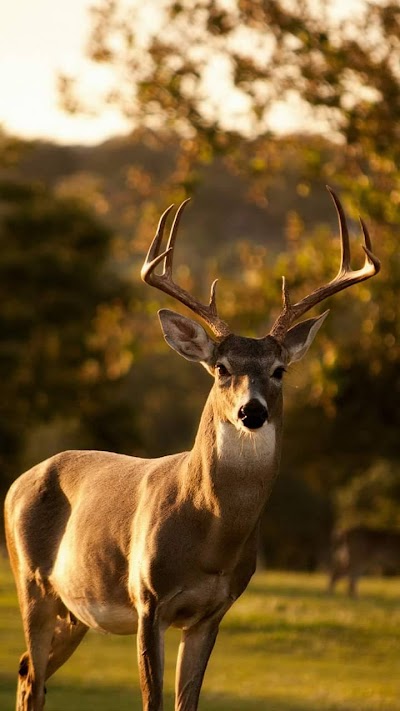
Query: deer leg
point(353, 580)
point(150, 651)
point(67, 636)
point(39, 619)
point(194, 652)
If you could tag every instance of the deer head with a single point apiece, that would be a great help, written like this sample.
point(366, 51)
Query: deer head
point(247, 371)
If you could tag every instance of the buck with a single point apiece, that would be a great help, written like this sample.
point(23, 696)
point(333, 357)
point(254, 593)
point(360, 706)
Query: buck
point(126, 545)
point(360, 549)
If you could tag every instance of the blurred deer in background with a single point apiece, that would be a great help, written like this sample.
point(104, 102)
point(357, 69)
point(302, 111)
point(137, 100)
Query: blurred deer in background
point(359, 550)
point(125, 545)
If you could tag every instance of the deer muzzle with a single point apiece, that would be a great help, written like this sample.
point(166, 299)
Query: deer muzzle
point(253, 414)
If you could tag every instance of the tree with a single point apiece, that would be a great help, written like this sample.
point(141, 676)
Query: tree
point(371, 499)
point(214, 73)
point(55, 358)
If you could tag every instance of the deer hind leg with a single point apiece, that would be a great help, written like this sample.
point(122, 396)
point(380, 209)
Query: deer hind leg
point(66, 638)
point(68, 634)
point(51, 640)
point(336, 574)
point(354, 576)
point(39, 614)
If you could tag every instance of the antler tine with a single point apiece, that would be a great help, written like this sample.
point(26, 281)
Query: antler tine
point(165, 283)
point(343, 233)
point(345, 277)
point(367, 247)
point(153, 257)
point(172, 237)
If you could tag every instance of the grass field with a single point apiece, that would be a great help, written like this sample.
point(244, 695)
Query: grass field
point(285, 646)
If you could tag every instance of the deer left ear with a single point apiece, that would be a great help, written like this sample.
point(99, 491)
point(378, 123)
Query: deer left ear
point(299, 338)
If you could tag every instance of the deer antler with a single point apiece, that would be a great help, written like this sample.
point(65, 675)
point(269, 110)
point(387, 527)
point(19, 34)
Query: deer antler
point(164, 281)
point(345, 277)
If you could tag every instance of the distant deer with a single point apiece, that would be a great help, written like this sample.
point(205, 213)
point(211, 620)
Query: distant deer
point(125, 545)
point(359, 550)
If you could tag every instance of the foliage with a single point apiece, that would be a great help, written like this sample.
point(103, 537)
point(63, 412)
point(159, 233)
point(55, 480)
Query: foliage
point(215, 73)
point(372, 498)
point(260, 52)
point(11, 150)
point(53, 280)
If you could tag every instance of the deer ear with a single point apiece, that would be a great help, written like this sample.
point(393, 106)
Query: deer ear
point(186, 336)
point(299, 338)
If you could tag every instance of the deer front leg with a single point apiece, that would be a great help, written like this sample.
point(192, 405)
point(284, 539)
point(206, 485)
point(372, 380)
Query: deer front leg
point(194, 652)
point(150, 651)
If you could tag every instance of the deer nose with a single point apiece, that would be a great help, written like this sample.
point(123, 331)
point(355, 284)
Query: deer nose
point(253, 414)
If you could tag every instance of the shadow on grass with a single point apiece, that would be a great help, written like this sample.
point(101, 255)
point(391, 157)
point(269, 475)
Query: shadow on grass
point(80, 697)
point(269, 702)
point(284, 590)
point(365, 598)
point(270, 587)
point(291, 627)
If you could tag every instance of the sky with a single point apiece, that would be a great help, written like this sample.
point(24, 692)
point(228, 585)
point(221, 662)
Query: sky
point(39, 39)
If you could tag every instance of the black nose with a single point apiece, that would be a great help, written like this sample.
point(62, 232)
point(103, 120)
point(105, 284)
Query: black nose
point(253, 414)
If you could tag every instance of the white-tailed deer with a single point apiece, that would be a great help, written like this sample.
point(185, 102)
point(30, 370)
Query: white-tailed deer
point(126, 545)
point(361, 549)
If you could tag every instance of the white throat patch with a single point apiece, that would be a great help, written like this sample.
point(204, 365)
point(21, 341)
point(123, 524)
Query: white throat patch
point(234, 446)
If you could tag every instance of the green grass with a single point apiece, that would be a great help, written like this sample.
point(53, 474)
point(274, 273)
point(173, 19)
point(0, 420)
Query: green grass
point(285, 646)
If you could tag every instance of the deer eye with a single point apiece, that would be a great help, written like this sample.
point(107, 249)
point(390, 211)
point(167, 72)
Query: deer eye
point(221, 369)
point(278, 372)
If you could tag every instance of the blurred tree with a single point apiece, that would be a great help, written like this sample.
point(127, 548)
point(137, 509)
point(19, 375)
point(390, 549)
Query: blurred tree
point(216, 73)
point(63, 348)
point(11, 149)
point(372, 498)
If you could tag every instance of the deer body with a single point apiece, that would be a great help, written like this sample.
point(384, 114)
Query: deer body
point(123, 545)
point(361, 549)
point(178, 534)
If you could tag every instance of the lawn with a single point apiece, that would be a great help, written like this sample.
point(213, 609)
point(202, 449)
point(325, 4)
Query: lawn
point(285, 646)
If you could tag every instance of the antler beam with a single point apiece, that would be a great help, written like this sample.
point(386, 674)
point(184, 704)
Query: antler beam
point(345, 277)
point(164, 281)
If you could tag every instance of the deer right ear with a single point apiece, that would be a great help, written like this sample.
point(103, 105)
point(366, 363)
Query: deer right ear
point(186, 337)
point(299, 338)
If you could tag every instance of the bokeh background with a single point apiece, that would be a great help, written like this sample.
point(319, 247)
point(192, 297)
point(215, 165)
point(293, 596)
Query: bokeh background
point(112, 110)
